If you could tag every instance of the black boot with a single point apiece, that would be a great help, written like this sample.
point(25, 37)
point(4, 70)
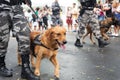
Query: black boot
point(102, 43)
point(78, 43)
point(3, 70)
point(26, 72)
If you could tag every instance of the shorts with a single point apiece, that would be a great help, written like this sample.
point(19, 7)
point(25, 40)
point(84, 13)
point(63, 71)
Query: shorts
point(69, 21)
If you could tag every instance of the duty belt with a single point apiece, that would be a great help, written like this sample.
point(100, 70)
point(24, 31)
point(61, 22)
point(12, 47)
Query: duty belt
point(88, 8)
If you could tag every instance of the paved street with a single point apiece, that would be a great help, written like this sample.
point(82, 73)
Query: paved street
point(87, 63)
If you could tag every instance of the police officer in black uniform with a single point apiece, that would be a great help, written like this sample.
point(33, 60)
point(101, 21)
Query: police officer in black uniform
point(87, 16)
point(12, 18)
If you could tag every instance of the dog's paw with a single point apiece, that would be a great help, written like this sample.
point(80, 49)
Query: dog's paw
point(37, 73)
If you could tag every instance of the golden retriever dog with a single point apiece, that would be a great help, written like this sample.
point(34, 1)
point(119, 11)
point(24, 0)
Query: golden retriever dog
point(46, 45)
point(104, 27)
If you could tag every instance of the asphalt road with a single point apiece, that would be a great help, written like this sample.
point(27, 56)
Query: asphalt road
point(87, 63)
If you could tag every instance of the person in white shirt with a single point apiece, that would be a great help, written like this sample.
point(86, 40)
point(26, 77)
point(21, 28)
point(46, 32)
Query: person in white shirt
point(28, 15)
point(116, 11)
point(75, 16)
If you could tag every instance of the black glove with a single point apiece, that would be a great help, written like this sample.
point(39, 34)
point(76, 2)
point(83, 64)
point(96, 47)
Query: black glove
point(82, 11)
point(28, 2)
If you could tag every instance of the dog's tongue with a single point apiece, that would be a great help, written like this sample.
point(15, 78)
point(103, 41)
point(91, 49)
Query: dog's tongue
point(63, 46)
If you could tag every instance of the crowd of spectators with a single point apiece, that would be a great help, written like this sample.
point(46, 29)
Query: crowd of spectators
point(102, 10)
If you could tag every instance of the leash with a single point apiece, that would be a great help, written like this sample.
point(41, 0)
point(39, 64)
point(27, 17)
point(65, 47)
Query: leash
point(34, 12)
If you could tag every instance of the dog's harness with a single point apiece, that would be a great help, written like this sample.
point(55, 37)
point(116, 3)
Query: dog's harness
point(37, 41)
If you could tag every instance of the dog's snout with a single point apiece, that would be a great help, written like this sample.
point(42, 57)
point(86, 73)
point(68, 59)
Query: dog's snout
point(64, 42)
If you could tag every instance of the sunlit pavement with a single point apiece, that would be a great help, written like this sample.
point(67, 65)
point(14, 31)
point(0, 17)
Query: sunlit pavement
point(87, 63)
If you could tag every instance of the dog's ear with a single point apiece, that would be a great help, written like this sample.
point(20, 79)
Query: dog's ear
point(49, 33)
point(52, 33)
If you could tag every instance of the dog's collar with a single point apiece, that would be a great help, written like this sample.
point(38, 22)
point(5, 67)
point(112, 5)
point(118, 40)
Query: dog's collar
point(37, 41)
